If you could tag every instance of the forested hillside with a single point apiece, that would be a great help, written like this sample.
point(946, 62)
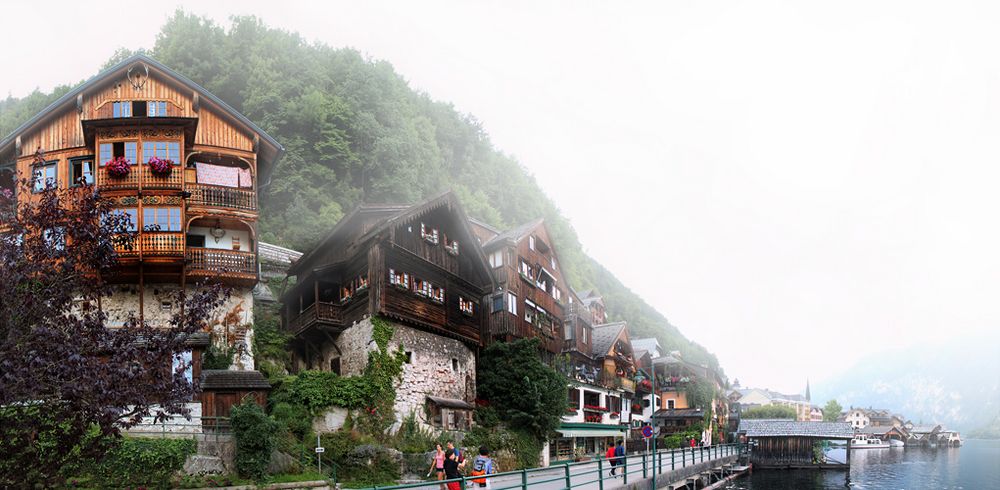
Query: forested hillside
point(355, 131)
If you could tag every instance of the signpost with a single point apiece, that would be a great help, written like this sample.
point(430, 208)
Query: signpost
point(319, 455)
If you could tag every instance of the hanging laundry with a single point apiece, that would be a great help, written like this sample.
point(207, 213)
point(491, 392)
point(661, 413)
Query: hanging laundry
point(217, 175)
point(245, 179)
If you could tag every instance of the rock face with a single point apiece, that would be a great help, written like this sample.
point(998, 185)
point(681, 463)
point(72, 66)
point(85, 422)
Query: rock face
point(282, 463)
point(332, 420)
point(438, 366)
point(198, 464)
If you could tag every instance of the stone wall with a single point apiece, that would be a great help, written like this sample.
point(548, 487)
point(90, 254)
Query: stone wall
point(231, 324)
point(438, 366)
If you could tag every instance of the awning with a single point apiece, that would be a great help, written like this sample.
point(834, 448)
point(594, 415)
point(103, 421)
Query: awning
point(590, 433)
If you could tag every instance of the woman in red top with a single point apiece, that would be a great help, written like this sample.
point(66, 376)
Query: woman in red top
point(610, 454)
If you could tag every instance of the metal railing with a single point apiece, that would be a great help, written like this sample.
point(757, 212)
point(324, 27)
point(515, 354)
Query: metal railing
point(595, 473)
point(205, 428)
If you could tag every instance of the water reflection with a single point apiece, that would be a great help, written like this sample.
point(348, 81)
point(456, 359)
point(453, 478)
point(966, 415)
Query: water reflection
point(974, 466)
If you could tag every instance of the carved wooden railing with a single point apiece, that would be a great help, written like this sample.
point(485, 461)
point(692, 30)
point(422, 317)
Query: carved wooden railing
point(154, 244)
point(224, 263)
point(150, 180)
point(106, 181)
point(224, 197)
point(325, 312)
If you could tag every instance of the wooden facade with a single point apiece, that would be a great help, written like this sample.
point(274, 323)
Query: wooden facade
point(532, 296)
point(419, 265)
point(139, 109)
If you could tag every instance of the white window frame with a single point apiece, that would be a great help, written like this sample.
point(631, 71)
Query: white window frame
point(511, 302)
point(531, 242)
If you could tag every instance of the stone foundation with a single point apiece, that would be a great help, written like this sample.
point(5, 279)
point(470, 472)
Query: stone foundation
point(438, 366)
point(231, 324)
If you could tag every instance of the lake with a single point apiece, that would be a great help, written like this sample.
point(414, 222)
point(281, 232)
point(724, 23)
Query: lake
point(976, 465)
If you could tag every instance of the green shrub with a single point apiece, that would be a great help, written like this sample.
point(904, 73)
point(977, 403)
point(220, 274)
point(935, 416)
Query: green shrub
point(368, 465)
point(254, 432)
point(413, 438)
point(296, 418)
point(217, 358)
point(522, 445)
point(769, 412)
point(338, 444)
point(142, 461)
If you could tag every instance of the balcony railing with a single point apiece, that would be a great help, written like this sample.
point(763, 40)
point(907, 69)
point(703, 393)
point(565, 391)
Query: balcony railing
point(317, 312)
point(225, 197)
point(106, 181)
point(150, 180)
point(615, 382)
point(154, 244)
point(210, 262)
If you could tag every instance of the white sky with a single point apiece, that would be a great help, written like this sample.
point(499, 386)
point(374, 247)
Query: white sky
point(794, 184)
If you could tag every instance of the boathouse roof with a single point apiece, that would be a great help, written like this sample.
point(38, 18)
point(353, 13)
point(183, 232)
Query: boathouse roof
point(794, 428)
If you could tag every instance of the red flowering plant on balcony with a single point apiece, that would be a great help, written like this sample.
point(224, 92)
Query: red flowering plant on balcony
point(161, 166)
point(592, 418)
point(595, 408)
point(119, 167)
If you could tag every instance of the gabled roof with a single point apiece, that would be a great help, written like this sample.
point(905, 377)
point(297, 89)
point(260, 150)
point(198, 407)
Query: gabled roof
point(794, 428)
point(274, 149)
point(604, 336)
point(649, 344)
point(513, 235)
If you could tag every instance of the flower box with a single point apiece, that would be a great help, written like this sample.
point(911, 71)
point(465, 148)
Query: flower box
point(161, 166)
point(595, 408)
point(118, 168)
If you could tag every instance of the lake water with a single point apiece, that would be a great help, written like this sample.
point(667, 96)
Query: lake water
point(976, 465)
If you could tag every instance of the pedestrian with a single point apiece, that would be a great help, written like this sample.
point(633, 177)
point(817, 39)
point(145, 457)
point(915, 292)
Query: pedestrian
point(459, 456)
point(451, 470)
point(437, 463)
point(620, 457)
point(692, 442)
point(610, 455)
point(483, 465)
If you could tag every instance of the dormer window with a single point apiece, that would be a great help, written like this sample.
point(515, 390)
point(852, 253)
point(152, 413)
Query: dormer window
point(429, 234)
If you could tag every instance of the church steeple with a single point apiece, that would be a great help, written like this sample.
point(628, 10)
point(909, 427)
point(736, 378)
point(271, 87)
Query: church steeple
point(808, 397)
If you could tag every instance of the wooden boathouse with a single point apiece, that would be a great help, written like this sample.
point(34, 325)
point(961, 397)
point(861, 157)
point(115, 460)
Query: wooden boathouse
point(789, 444)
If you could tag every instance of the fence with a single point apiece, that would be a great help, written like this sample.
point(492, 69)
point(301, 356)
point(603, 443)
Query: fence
point(205, 428)
point(594, 474)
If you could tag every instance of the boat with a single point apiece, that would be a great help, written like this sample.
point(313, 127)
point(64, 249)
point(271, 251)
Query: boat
point(896, 443)
point(864, 441)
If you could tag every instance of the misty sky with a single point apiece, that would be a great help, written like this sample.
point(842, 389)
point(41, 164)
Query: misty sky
point(794, 184)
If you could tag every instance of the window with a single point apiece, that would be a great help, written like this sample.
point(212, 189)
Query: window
point(670, 404)
point(531, 242)
point(645, 403)
point(45, 176)
point(496, 259)
point(451, 245)
point(335, 366)
point(511, 303)
point(156, 108)
point(55, 237)
point(399, 279)
point(409, 357)
point(553, 261)
point(556, 293)
point(454, 364)
point(166, 306)
point(585, 336)
point(525, 269)
point(127, 149)
point(497, 303)
point(429, 234)
point(428, 290)
point(529, 311)
point(133, 217)
point(161, 219)
point(236, 243)
point(183, 365)
point(568, 332)
point(466, 306)
point(106, 153)
point(81, 171)
point(170, 150)
point(122, 109)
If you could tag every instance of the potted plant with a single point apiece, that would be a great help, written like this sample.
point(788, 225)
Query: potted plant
point(161, 166)
point(119, 167)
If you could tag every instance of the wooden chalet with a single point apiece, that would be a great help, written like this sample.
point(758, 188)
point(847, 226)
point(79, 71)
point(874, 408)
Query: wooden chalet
point(419, 265)
point(531, 299)
point(595, 303)
point(788, 444)
point(190, 170)
point(611, 347)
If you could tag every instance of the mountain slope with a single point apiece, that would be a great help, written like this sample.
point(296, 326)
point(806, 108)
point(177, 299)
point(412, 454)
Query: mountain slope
point(355, 131)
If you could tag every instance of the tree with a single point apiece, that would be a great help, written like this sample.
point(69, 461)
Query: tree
point(526, 393)
point(68, 383)
point(831, 411)
point(769, 412)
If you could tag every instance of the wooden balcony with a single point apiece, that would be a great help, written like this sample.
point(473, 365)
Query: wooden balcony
point(155, 244)
point(150, 180)
point(227, 265)
point(107, 182)
point(242, 199)
point(317, 313)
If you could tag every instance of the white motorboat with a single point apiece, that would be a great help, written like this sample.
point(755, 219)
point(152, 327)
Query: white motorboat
point(864, 441)
point(896, 443)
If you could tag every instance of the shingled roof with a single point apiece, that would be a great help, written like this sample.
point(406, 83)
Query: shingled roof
point(224, 379)
point(603, 336)
point(514, 234)
point(794, 428)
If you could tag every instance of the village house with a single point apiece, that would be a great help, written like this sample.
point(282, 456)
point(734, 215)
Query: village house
point(758, 397)
point(186, 168)
point(675, 413)
point(532, 294)
point(420, 269)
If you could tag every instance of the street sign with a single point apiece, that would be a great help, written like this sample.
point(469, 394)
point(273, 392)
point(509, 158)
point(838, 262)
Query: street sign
point(647, 431)
point(321, 450)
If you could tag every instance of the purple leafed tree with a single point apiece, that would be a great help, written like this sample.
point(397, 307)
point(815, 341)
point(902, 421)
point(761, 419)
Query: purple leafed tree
point(69, 384)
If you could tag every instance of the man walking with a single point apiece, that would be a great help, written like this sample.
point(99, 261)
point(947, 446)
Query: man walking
point(620, 457)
